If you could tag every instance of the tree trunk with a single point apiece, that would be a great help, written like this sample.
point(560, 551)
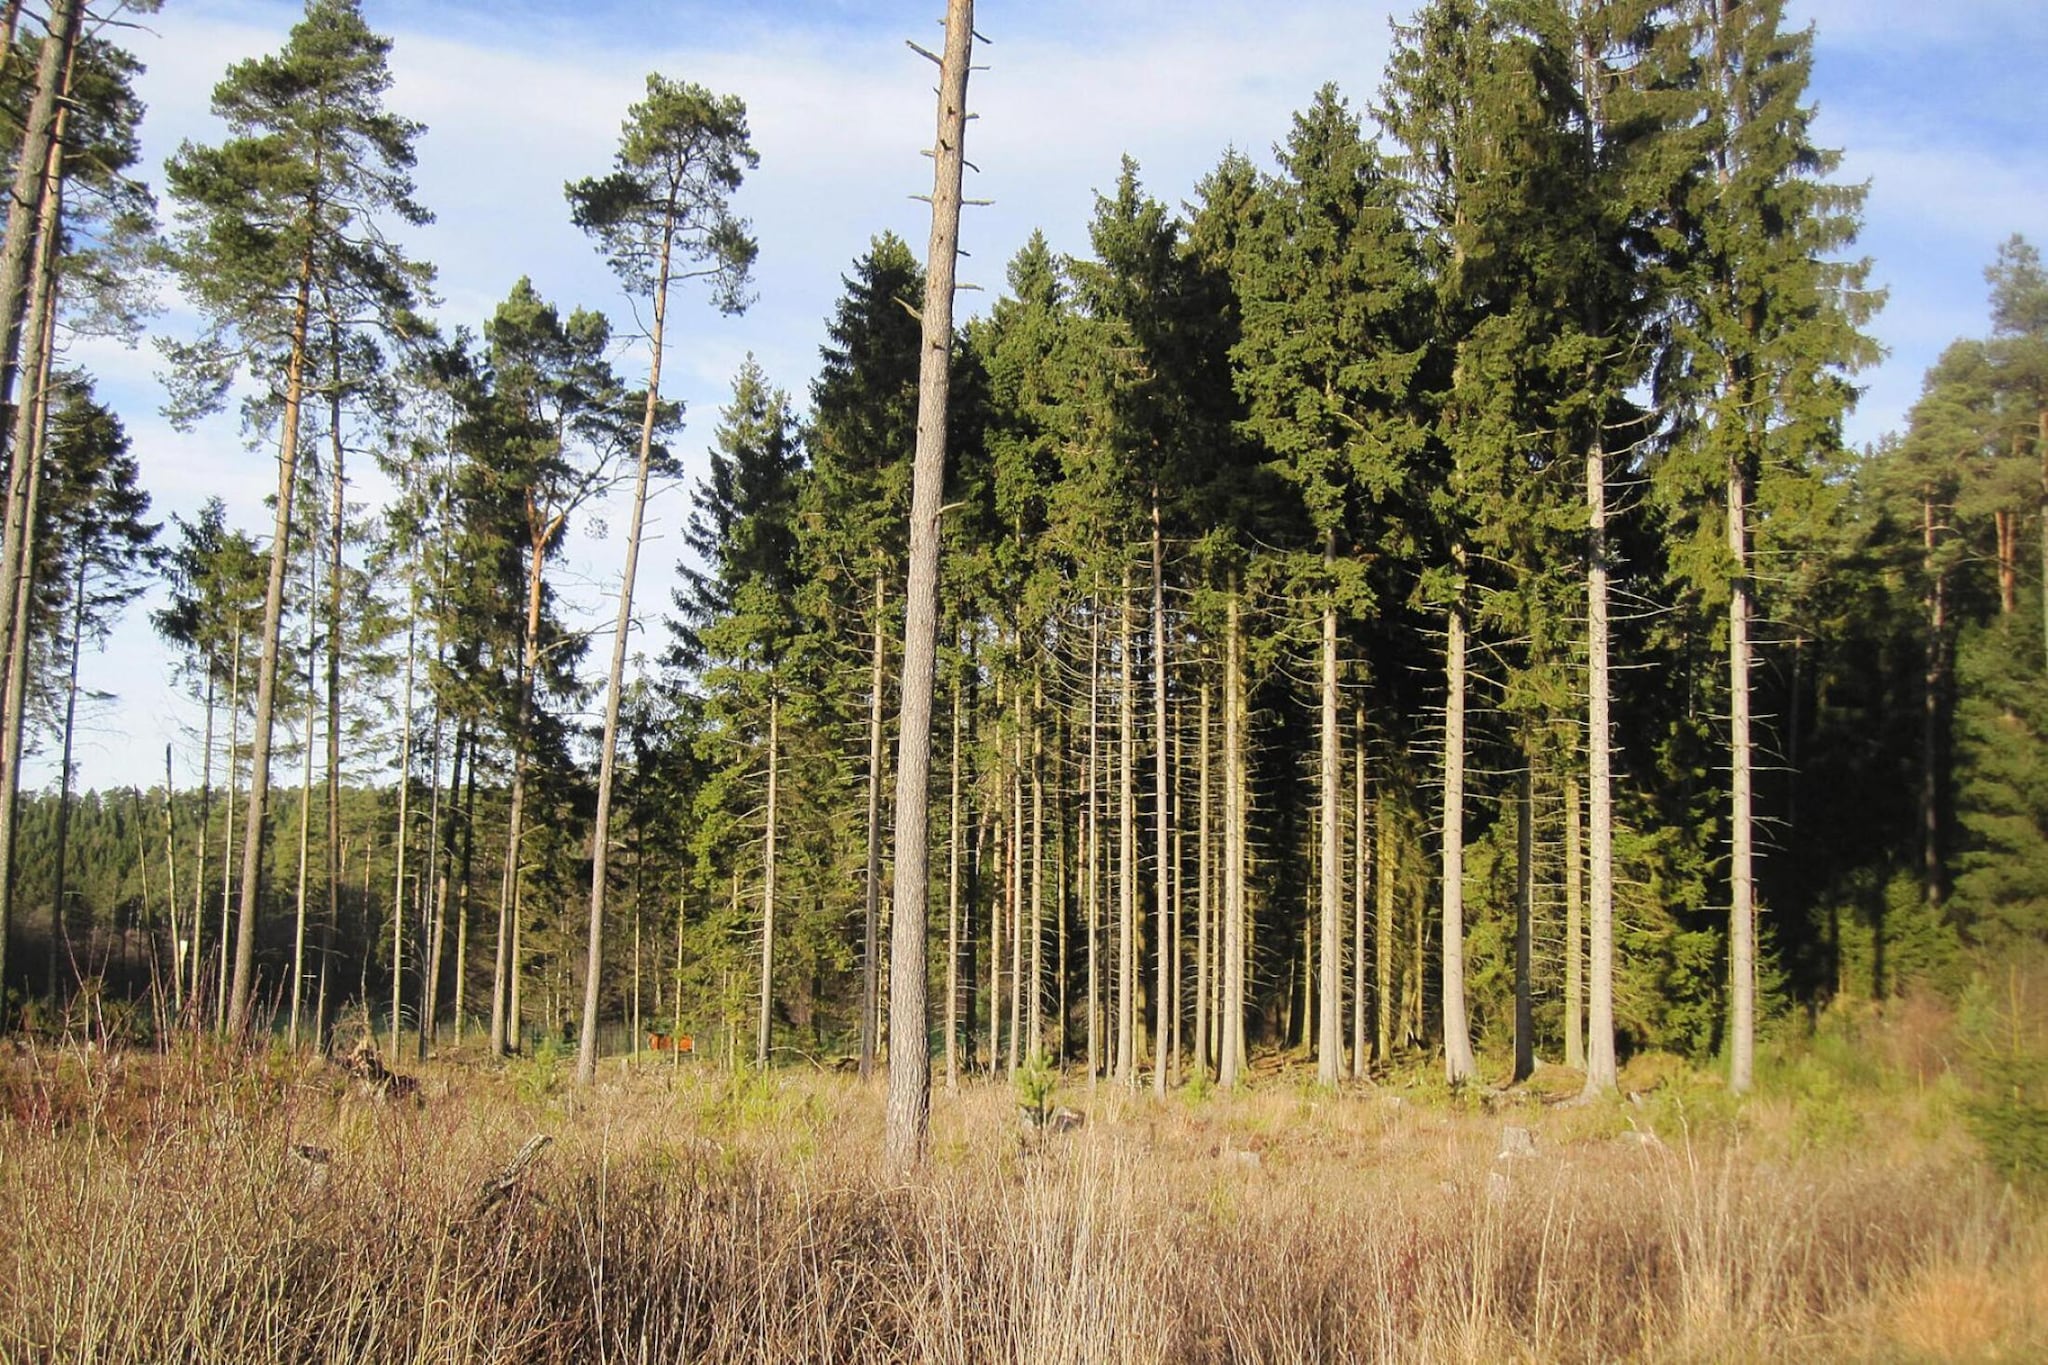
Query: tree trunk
point(1458, 1065)
point(1161, 993)
point(305, 808)
point(1330, 988)
point(240, 995)
point(1384, 868)
point(1037, 916)
point(953, 896)
point(608, 751)
point(1204, 932)
point(1093, 841)
point(42, 229)
point(1600, 1061)
point(227, 862)
point(910, 1058)
point(63, 841)
point(1741, 912)
point(1525, 915)
point(404, 813)
point(763, 1039)
point(1574, 928)
point(1232, 1051)
point(504, 977)
point(1361, 863)
point(871, 923)
point(195, 991)
point(1930, 711)
point(1127, 851)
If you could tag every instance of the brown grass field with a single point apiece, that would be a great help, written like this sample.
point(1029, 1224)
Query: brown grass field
point(169, 1206)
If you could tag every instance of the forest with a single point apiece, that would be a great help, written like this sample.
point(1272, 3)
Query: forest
point(1359, 770)
point(1414, 603)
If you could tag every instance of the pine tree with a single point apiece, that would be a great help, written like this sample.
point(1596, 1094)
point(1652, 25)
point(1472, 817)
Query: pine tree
point(662, 215)
point(273, 220)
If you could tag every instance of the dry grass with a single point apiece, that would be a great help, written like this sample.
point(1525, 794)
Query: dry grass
point(155, 1210)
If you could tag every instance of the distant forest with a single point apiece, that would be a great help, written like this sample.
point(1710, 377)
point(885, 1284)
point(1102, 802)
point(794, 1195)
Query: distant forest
point(1416, 602)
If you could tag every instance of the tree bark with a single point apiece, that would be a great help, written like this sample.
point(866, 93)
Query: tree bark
point(1361, 865)
point(1574, 927)
point(1204, 930)
point(1458, 1065)
point(871, 923)
point(1600, 1062)
point(1330, 987)
point(953, 896)
point(1233, 1058)
point(404, 821)
point(305, 808)
point(1741, 912)
point(1127, 850)
point(608, 751)
point(1162, 992)
point(909, 1104)
point(764, 1034)
point(63, 841)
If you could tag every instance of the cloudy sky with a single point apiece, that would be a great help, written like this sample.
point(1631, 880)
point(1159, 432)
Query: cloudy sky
point(1936, 106)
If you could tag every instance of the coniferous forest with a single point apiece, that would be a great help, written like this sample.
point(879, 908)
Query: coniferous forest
point(1404, 612)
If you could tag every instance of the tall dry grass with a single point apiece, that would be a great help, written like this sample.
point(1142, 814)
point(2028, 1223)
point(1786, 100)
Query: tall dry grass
point(154, 1208)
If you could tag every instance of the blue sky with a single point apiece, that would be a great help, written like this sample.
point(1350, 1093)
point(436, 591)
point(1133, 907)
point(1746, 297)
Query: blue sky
point(1938, 107)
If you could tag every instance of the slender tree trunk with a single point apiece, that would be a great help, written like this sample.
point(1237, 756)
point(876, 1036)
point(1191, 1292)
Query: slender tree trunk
point(1384, 869)
point(1093, 850)
point(1127, 851)
point(764, 1036)
point(305, 804)
point(240, 995)
point(871, 923)
point(608, 752)
point(1361, 867)
point(1330, 989)
point(195, 990)
point(227, 862)
point(1204, 929)
point(910, 1059)
point(1162, 939)
point(25, 480)
point(63, 850)
point(437, 933)
point(404, 823)
point(1525, 916)
point(953, 896)
point(1017, 888)
point(1037, 918)
point(1933, 681)
point(41, 130)
point(505, 976)
point(1600, 1061)
point(465, 868)
point(1458, 1065)
point(1742, 911)
point(1574, 928)
point(171, 897)
point(1234, 816)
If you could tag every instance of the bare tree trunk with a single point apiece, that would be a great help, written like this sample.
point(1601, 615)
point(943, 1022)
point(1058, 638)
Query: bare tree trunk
point(505, 976)
point(1161, 993)
point(1574, 928)
point(63, 849)
point(240, 995)
point(910, 1058)
point(404, 821)
point(1361, 866)
point(1017, 888)
point(1204, 930)
point(764, 1034)
point(1127, 852)
point(953, 896)
point(195, 990)
point(305, 803)
point(1384, 869)
point(871, 923)
point(1092, 843)
point(1600, 1061)
point(227, 862)
point(608, 751)
point(1330, 989)
point(25, 475)
point(1525, 915)
point(1037, 917)
point(1741, 913)
point(1234, 814)
point(1458, 1065)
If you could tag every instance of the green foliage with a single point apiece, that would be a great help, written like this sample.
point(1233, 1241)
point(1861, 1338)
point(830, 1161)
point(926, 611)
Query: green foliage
point(2003, 1028)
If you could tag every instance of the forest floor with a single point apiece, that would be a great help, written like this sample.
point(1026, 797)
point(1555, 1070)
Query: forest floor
point(196, 1204)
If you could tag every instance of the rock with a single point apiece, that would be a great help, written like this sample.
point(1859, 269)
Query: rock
point(1516, 1144)
point(1497, 1187)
